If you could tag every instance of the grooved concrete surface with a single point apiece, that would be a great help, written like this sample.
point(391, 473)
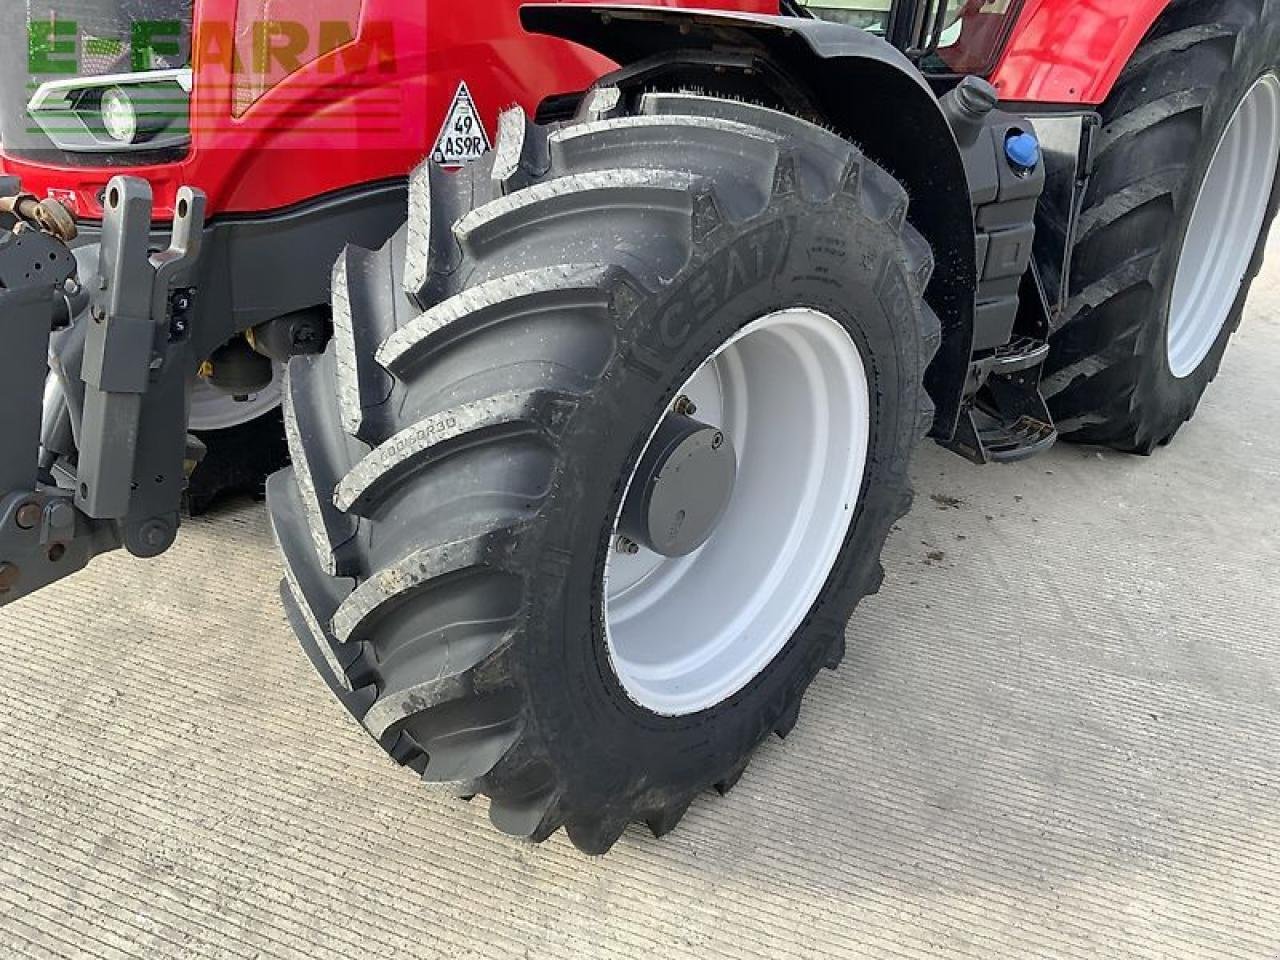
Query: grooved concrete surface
point(1057, 735)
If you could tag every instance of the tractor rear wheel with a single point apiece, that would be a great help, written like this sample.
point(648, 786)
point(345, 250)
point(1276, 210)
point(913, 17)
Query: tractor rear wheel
point(604, 453)
point(1174, 226)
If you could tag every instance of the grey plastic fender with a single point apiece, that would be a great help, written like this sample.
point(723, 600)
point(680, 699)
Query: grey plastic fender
point(862, 87)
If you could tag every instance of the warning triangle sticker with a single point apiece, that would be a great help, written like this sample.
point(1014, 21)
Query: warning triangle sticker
point(463, 137)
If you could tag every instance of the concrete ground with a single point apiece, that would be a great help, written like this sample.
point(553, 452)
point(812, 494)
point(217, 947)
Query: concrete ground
point(1057, 735)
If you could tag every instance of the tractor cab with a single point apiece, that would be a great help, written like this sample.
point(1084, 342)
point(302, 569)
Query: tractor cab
point(946, 38)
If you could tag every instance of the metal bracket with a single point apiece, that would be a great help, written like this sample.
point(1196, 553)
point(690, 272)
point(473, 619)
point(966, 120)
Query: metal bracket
point(34, 265)
point(45, 538)
point(130, 474)
point(42, 536)
point(135, 346)
point(1068, 142)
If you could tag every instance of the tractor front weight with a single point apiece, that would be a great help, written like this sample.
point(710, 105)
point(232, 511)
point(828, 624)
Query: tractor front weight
point(120, 381)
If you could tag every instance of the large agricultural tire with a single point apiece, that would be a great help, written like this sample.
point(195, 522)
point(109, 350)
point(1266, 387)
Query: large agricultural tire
point(463, 449)
point(1174, 227)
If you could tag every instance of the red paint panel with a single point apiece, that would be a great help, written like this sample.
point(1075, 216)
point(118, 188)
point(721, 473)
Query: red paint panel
point(1072, 51)
point(282, 35)
point(346, 118)
point(355, 115)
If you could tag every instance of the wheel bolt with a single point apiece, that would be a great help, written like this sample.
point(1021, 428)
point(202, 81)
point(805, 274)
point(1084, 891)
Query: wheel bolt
point(28, 516)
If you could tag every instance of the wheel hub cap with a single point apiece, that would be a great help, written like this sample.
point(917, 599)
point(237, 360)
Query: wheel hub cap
point(214, 409)
point(681, 488)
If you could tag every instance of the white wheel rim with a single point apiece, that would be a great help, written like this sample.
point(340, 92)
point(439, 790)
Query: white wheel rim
point(686, 633)
point(214, 409)
point(1225, 226)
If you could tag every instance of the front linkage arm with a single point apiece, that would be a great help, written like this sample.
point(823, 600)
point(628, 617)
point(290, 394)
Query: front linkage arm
point(125, 486)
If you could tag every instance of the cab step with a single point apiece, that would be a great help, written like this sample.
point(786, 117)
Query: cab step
point(1005, 418)
point(1024, 353)
point(997, 441)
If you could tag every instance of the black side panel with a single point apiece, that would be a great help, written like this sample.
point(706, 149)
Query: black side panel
point(1005, 202)
point(251, 270)
point(259, 269)
point(861, 87)
point(255, 269)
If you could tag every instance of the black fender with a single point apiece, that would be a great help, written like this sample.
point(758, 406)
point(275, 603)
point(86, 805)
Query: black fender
point(851, 81)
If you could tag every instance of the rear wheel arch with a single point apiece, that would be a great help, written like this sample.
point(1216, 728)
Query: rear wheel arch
point(842, 74)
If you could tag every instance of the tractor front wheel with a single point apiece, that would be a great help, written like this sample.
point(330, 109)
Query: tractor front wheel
point(604, 453)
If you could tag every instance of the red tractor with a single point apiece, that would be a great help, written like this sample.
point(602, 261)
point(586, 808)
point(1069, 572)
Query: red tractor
point(595, 452)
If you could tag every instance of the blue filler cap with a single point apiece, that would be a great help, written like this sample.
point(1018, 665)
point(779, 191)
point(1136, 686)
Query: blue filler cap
point(1023, 151)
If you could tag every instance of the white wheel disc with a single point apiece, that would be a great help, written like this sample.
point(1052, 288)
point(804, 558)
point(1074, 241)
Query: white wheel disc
point(686, 633)
point(214, 409)
point(1225, 226)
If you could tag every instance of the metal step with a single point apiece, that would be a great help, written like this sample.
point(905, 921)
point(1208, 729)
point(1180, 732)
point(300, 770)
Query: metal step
point(1017, 355)
point(1006, 418)
point(1019, 440)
